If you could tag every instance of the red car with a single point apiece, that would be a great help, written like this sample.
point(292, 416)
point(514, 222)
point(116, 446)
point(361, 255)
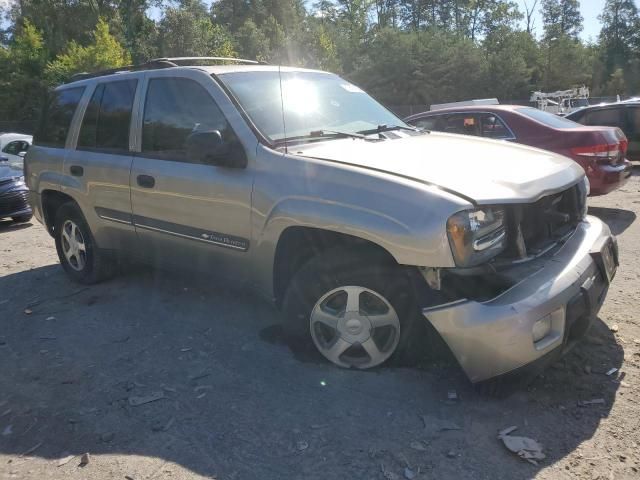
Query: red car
point(599, 150)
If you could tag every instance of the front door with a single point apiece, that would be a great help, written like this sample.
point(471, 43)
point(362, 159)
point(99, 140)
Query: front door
point(186, 212)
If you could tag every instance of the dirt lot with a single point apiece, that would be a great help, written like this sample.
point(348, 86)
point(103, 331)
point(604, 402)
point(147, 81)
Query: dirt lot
point(236, 404)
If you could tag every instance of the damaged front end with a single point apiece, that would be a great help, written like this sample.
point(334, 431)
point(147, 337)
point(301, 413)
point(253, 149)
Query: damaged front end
point(537, 295)
point(531, 234)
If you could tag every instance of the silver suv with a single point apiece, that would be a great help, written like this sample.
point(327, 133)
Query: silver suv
point(367, 233)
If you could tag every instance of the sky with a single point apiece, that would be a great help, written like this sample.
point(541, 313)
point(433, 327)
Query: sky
point(590, 10)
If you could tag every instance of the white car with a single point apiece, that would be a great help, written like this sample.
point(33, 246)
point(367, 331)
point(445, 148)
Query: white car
point(14, 146)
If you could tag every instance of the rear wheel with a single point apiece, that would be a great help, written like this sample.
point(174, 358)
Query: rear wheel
point(76, 247)
point(357, 311)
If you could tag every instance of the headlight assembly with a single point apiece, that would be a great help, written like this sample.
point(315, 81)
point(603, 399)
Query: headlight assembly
point(476, 236)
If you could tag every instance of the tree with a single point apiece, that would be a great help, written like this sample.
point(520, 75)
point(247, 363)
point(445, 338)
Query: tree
point(21, 65)
point(620, 35)
point(529, 15)
point(187, 30)
point(103, 53)
point(561, 18)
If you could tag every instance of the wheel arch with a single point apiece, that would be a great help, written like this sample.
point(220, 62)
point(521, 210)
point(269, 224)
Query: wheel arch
point(52, 200)
point(298, 244)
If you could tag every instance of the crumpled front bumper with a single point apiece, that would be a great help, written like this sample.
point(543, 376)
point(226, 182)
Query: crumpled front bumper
point(495, 337)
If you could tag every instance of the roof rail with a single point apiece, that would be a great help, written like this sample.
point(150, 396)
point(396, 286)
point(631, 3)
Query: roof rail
point(158, 63)
point(150, 65)
point(190, 60)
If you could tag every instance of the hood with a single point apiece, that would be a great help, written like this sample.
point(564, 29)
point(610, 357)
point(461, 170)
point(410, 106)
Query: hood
point(9, 172)
point(484, 171)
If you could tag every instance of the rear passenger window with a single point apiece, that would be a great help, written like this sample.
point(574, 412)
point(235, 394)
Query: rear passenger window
point(493, 127)
point(611, 117)
point(174, 109)
point(105, 126)
point(57, 116)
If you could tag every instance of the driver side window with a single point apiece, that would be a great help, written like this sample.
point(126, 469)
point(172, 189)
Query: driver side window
point(174, 109)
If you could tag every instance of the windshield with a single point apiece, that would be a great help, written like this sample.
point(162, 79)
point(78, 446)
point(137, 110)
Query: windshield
point(311, 101)
point(579, 102)
point(547, 118)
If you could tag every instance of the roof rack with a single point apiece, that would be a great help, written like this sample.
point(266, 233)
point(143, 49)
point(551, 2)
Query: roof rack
point(157, 63)
point(189, 60)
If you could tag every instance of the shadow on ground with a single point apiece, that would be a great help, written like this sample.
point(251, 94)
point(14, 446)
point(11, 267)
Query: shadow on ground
point(617, 219)
point(11, 226)
point(234, 405)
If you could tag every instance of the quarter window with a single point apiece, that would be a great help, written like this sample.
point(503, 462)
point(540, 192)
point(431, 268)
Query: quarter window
point(174, 109)
point(57, 116)
point(105, 126)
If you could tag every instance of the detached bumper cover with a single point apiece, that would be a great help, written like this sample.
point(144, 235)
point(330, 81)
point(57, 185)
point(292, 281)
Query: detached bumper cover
point(495, 337)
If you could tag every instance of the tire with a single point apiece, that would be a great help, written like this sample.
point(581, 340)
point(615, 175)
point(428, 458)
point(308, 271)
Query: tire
point(22, 218)
point(88, 264)
point(383, 284)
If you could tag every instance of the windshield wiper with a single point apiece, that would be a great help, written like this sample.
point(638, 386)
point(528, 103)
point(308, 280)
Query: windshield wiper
point(388, 128)
point(324, 135)
point(332, 133)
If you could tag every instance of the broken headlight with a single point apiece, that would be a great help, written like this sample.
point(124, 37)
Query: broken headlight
point(476, 236)
point(584, 188)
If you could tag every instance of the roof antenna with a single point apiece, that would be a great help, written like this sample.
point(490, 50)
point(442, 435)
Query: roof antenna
point(284, 125)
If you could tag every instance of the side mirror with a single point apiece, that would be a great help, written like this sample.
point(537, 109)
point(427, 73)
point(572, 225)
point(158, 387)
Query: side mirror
point(22, 154)
point(209, 147)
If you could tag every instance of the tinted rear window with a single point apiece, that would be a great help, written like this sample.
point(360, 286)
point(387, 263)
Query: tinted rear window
point(611, 117)
point(106, 122)
point(57, 116)
point(547, 118)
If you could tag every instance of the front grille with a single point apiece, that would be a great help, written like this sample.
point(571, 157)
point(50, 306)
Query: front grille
point(13, 202)
point(534, 228)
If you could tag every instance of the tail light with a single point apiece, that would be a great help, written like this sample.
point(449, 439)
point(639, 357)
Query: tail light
point(604, 153)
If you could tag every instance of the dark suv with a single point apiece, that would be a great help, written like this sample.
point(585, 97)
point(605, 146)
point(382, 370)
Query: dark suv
point(624, 115)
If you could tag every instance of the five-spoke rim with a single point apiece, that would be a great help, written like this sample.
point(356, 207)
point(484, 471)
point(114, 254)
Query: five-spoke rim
point(73, 246)
point(355, 327)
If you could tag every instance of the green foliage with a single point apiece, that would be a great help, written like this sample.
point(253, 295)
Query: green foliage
point(187, 30)
point(103, 53)
point(561, 18)
point(21, 65)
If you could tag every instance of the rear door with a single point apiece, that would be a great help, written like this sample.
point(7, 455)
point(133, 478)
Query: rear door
point(193, 214)
point(97, 170)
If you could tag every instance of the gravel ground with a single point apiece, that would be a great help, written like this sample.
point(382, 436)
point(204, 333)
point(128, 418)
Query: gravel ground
point(232, 402)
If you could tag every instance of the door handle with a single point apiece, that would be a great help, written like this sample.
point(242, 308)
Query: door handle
point(76, 170)
point(146, 181)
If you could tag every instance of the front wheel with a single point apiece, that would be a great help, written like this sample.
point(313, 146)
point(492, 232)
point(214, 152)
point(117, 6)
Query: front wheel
point(356, 310)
